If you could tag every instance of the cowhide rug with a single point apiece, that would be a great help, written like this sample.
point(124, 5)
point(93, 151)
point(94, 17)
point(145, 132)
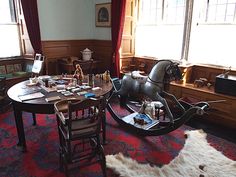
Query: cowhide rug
point(196, 159)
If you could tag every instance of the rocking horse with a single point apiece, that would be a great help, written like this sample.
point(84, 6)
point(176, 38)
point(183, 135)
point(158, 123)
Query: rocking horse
point(152, 87)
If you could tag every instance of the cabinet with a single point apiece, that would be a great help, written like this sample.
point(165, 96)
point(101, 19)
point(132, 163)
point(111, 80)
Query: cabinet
point(222, 107)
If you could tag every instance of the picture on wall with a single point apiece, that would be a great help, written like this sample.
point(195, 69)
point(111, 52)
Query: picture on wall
point(103, 15)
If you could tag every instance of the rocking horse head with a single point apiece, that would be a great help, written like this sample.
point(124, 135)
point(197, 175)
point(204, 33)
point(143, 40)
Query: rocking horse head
point(165, 71)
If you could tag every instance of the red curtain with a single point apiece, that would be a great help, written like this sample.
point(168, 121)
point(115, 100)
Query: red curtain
point(30, 11)
point(117, 24)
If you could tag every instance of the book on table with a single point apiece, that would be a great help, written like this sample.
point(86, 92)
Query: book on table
point(31, 96)
point(89, 95)
point(139, 120)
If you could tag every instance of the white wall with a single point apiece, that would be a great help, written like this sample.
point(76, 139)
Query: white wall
point(70, 20)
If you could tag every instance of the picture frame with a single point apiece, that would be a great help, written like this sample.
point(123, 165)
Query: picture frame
point(103, 15)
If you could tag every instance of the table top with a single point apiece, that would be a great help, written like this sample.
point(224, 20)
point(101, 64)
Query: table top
point(24, 88)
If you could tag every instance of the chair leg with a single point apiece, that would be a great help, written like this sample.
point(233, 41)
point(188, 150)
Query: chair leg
point(34, 119)
point(103, 162)
point(65, 164)
point(101, 156)
point(60, 159)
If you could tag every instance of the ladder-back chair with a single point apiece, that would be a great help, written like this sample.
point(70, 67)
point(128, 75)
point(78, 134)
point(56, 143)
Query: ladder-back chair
point(79, 133)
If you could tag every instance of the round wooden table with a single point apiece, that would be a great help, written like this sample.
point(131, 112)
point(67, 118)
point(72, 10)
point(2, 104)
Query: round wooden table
point(41, 106)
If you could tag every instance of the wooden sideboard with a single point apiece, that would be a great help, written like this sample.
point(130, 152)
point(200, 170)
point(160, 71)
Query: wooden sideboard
point(55, 50)
point(65, 67)
point(222, 112)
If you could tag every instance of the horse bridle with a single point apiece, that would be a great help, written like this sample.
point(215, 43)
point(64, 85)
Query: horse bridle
point(154, 82)
point(160, 82)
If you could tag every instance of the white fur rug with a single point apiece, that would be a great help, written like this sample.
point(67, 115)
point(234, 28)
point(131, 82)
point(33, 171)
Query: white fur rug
point(196, 159)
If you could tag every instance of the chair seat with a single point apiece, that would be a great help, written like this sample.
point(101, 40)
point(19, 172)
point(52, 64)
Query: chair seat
point(83, 132)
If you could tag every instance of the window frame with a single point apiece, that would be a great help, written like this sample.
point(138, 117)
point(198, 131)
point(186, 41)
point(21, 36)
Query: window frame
point(225, 14)
point(162, 17)
point(14, 10)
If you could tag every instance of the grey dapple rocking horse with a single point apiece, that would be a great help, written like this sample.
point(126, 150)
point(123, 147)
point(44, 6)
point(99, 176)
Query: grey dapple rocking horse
point(152, 86)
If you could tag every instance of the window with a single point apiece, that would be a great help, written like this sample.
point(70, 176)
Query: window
point(212, 40)
point(159, 30)
point(220, 11)
point(200, 31)
point(150, 12)
point(9, 31)
point(174, 11)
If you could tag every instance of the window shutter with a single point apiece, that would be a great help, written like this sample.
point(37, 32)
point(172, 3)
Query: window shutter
point(127, 44)
point(27, 49)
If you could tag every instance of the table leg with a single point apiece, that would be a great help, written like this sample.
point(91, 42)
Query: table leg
point(20, 128)
point(34, 119)
point(104, 129)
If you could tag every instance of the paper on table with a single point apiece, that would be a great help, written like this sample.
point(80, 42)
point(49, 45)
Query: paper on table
point(53, 98)
point(31, 96)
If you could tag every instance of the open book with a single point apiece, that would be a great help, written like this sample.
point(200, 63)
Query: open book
point(140, 120)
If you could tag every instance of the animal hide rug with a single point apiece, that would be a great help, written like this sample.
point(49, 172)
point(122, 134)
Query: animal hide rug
point(196, 159)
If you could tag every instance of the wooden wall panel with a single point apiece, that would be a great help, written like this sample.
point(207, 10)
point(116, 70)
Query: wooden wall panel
point(54, 50)
point(208, 72)
point(126, 62)
point(77, 46)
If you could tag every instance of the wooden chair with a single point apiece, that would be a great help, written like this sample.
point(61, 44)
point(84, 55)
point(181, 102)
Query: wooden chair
point(4, 101)
point(79, 133)
point(85, 65)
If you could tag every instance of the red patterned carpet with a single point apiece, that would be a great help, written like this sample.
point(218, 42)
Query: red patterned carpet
point(42, 157)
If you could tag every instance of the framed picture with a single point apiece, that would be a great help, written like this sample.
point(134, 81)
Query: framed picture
point(103, 15)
